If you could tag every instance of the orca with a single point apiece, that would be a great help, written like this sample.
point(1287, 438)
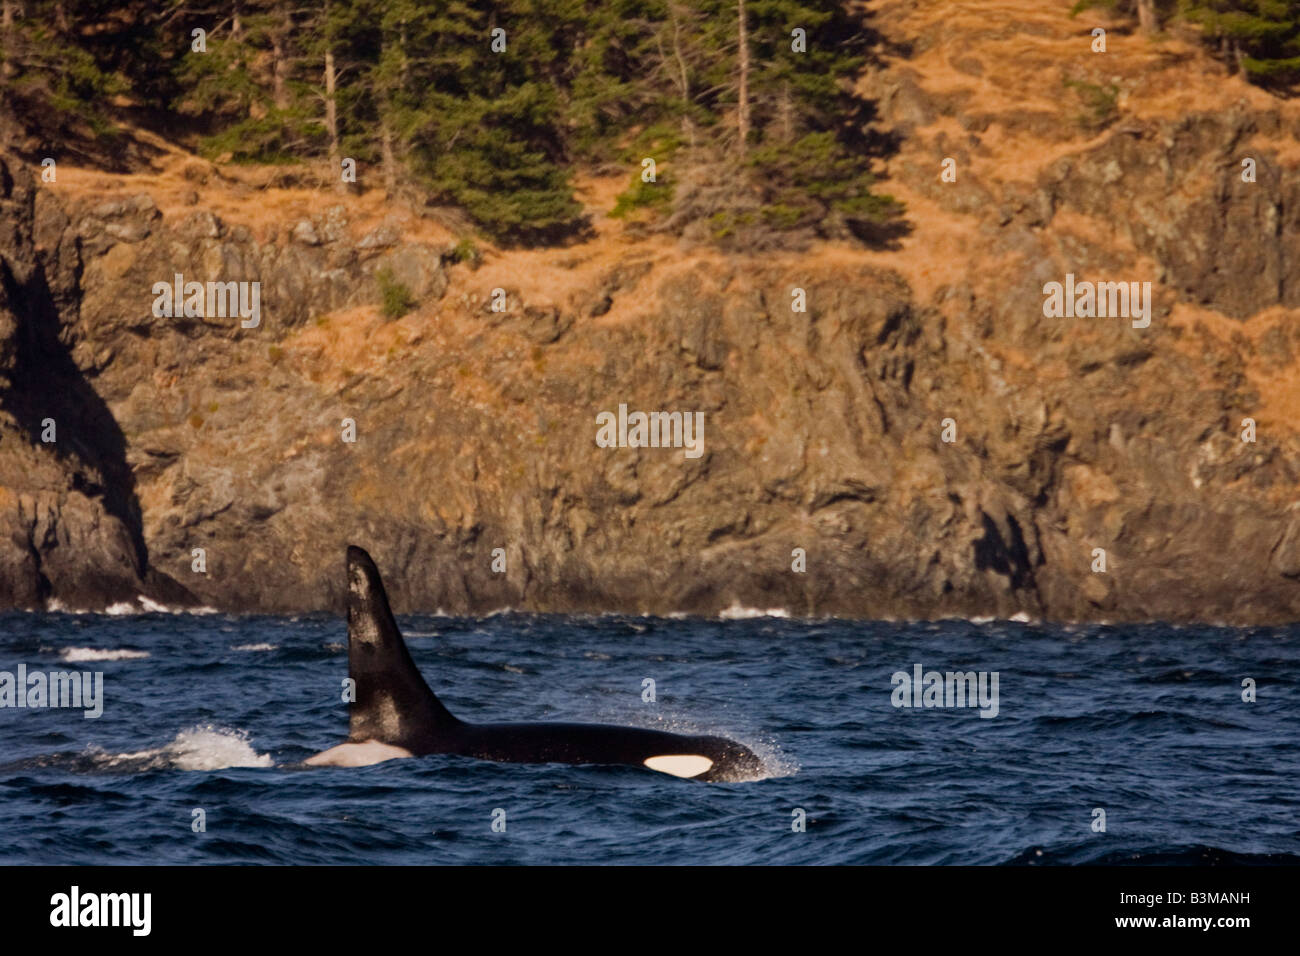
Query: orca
point(395, 714)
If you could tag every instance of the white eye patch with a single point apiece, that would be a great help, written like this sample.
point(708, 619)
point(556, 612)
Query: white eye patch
point(680, 765)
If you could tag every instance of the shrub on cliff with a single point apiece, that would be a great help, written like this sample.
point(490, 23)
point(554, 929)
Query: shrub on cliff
point(394, 296)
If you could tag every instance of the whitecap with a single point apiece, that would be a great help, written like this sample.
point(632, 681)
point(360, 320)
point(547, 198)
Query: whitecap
point(213, 748)
point(149, 606)
point(203, 747)
point(738, 612)
point(78, 655)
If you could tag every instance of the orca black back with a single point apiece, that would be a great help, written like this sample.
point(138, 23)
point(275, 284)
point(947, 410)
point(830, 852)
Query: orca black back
point(395, 714)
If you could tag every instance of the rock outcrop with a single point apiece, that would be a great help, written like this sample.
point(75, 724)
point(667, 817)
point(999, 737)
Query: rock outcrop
point(475, 478)
point(71, 521)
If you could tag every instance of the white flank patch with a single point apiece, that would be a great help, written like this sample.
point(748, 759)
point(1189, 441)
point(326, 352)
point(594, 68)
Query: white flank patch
point(357, 755)
point(680, 765)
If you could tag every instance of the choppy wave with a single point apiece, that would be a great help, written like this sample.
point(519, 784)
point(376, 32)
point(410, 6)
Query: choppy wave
point(210, 748)
point(197, 748)
point(148, 606)
point(200, 748)
point(81, 655)
point(1144, 721)
point(143, 605)
point(738, 612)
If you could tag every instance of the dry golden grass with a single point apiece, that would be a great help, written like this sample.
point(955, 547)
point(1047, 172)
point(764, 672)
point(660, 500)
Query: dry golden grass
point(1278, 387)
point(182, 183)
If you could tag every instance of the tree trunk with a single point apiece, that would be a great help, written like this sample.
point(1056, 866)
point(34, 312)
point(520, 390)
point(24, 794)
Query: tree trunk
point(785, 112)
point(9, 40)
point(280, 60)
point(683, 76)
point(332, 118)
point(742, 85)
point(279, 93)
point(1148, 18)
point(406, 66)
point(389, 160)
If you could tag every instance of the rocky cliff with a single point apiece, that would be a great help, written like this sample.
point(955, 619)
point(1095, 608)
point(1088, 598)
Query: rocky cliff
point(824, 430)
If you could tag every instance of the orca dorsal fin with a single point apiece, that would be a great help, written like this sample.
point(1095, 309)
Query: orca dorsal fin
point(393, 703)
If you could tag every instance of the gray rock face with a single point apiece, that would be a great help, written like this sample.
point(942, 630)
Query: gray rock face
point(69, 516)
point(1222, 242)
point(419, 268)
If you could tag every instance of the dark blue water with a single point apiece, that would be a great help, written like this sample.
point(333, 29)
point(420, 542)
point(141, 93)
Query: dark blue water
point(215, 712)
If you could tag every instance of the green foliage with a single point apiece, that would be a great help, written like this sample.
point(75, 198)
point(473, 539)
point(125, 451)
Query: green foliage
point(52, 75)
point(1259, 37)
point(642, 196)
point(395, 298)
point(275, 138)
point(816, 175)
point(1101, 104)
point(500, 171)
point(670, 73)
point(466, 250)
point(1262, 37)
point(415, 93)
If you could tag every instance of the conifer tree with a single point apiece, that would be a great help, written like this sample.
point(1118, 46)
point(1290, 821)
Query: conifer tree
point(44, 65)
point(750, 133)
point(478, 125)
point(1259, 37)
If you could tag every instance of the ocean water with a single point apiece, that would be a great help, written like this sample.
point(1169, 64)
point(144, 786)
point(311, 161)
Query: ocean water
point(217, 712)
